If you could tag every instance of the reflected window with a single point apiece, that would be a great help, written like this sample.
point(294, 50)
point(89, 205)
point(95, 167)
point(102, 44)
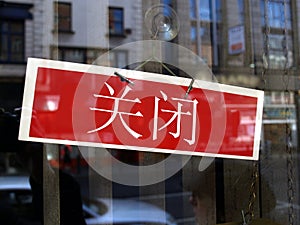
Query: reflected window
point(219, 10)
point(241, 11)
point(194, 38)
point(118, 59)
point(205, 10)
point(116, 21)
point(202, 13)
point(276, 17)
point(193, 9)
point(277, 56)
point(167, 2)
point(72, 55)
point(12, 41)
point(205, 34)
point(63, 16)
point(277, 13)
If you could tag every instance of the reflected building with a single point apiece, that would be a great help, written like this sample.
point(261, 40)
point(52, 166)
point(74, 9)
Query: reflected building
point(245, 43)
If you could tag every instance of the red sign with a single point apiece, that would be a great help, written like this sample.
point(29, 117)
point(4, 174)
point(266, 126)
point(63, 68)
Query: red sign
point(87, 105)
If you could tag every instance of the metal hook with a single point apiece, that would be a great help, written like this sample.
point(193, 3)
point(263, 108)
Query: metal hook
point(123, 78)
point(189, 88)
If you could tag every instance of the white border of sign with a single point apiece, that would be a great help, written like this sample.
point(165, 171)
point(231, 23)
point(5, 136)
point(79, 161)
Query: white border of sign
point(31, 74)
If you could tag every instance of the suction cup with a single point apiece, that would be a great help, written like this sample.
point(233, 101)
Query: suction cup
point(162, 22)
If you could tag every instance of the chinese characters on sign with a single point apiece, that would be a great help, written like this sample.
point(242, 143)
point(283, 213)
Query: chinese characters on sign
point(176, 114)
point(94, 108)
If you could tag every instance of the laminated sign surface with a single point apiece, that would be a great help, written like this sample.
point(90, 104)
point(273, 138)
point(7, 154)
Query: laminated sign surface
point(88, 105)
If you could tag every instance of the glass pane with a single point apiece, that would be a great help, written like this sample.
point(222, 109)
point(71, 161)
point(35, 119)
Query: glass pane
point(262, 9)
point(64, 9)
point(117, 15)
point(277, 56)
point(205, 10)
point(12, 41)
point(192, 9)
point(275, 41)
point(17, 44)
point(17, 48)
point(241, 10)
point(275, 12)
point(116, 21)
point(3, 48)
point(194, 45)
point(278, 17)
point(74, 55)
point(62, 16)
point(205, 33)
point(277, 59)
point(167, 2)
point(193, 34)
point(16, 27)
point(64, 24)
point(219, 9)
point(118, 28)
point(218, 201)
point(122, 59)
point(3, 26)
point(112, 59)
point(60, 54)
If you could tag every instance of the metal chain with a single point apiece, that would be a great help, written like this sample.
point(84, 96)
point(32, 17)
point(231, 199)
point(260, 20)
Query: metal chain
point(252, 198)
point(290, 173)
point(248, 217)
point(288, 131)
point(290, 165)
point(285, 46)
point(266, 49)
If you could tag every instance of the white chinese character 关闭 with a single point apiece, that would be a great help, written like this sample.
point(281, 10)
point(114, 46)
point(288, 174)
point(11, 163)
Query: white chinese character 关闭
point(176, 114)
point(115, 111)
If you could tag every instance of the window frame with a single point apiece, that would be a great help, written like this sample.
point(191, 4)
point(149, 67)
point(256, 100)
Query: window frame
point(9, 33)
point(58, 18)
point(62, 52)
point(202, 43)
point(121, 22)
point(278, 28)
point(114, 58)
